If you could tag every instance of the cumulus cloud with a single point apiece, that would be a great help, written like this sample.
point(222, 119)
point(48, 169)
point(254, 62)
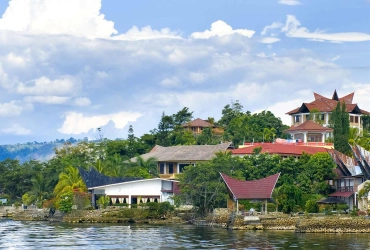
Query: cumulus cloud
point(10, 109)
point(269, 28)
point(147, 33)
point(67, 17)
point(292, 28)
point(15, 129)
point(77, 123)
point(173, 81)
point(270, 40)
point(220, 28)
point(289, 2)
point(45, 86)
point(82, 101)
point(47, 99)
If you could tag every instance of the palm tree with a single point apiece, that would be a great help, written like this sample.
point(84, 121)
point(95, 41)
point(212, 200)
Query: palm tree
point(38, 192)
point(150, 164)
point(70, 180)
point(278, 196)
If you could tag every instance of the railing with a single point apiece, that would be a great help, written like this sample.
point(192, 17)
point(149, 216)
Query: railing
point(346, 189)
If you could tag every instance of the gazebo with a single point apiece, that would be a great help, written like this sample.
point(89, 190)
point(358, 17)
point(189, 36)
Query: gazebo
point(250, 190)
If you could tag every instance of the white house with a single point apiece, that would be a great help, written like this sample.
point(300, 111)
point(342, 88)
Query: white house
point(138, 191)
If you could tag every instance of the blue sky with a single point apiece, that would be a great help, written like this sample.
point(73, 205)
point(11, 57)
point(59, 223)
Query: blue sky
point(69, 67)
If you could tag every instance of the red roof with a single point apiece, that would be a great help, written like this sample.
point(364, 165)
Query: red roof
point(281, 149)
point(256, 189)
point(323, 104)
point(309, 126)
point(342, 194)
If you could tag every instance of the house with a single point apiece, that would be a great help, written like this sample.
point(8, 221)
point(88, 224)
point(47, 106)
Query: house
point(309, 131)
point(196, 126)
point(325, 106)
point(349, 177)
point(138, 191)
point(172, 160)
point(284, 149)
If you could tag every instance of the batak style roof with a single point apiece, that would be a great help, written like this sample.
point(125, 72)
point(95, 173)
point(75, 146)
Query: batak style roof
point(309, 126)
point(256, 189)
point(324, 104)
point(198, 123)
point(280, 149)
point(186, 153)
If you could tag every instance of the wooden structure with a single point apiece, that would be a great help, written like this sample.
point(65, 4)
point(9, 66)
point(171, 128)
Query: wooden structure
point(260, 190)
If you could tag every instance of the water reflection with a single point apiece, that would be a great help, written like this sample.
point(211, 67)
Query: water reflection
point(41, 235)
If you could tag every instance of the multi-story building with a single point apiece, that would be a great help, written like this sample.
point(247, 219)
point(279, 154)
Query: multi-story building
point(324, 107)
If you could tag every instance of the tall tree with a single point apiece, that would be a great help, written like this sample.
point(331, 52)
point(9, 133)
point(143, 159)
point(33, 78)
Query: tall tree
point(131, 149)
point(340, 120)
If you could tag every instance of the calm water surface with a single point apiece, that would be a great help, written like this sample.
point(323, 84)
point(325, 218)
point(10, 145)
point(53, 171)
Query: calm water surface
point(43, 235)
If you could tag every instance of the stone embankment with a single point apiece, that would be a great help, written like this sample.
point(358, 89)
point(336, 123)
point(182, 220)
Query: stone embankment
point(333, 225)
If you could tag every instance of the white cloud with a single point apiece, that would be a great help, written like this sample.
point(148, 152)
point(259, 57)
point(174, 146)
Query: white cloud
point(77, 123)
point(53, 100)
point(292, 29)
point(82, 101)
point(198, 77)
point(173, 81)
point(335, 58)
point(10, 109)
point(220, 28)
point(44, 86)
point(67, 17)
point(267, 29)
point(147, 33)
point(270, 40)
point(15, 60)
point(289, 2)
point(15, 129)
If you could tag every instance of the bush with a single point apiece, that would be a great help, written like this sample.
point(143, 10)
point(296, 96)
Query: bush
point(271, 207)
point(66, 202)
point(311, 206)
point(103, 201)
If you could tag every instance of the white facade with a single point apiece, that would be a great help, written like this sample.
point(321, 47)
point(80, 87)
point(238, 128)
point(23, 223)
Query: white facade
point(140, 191)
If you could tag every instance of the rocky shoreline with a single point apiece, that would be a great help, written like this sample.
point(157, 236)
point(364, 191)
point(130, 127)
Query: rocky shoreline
point(298, 224)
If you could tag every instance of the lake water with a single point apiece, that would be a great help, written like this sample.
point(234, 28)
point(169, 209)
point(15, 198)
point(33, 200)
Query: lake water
point(44, 235)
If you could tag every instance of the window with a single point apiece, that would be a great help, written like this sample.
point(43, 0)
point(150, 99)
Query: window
point(161, 168)
point(182, 166)
point(296, 118)
point(322, 117)
point(170, 168)
point(356, 119)
point(307, 117)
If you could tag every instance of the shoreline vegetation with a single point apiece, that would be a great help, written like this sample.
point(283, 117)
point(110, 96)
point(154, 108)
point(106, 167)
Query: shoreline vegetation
point(305, 223)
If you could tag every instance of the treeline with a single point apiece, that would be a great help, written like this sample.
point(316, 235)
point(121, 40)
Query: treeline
point(34, 182)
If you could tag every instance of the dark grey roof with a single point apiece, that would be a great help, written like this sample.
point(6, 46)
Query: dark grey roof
point(93, 178)
point(186, 153)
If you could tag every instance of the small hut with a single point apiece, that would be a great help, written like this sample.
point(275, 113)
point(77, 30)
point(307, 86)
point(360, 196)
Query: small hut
point(260, 190)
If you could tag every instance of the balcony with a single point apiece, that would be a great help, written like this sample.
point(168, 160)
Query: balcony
point(345, 189)
point(169, 176)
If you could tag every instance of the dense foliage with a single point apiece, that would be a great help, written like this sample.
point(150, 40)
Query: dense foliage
point(299, 181)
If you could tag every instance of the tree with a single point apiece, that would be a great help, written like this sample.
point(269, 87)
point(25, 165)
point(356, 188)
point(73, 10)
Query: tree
point(69, 180)
point(39, 190)
point(149, 165)
point(340, 120)
point(315, 116)
point(131, 147)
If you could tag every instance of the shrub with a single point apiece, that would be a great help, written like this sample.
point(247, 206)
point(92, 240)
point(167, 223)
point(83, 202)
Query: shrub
point(65, 202)
point(103, 201)
point(271, 207)
point(311, 206)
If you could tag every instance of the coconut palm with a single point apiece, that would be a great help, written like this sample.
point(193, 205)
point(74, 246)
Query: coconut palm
point(38, 192)
point(278, 196)
point(69, 180)
point(149, 164)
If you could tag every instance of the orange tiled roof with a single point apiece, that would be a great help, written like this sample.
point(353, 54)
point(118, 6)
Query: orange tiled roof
point(323, 104)
point(309, 126)
point(280, 149)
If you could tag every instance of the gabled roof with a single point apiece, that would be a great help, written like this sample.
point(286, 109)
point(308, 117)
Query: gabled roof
point(198, 123)
point(256, 189)
point(323, 104)
point(186, 153)
point(280, 149)
point(309, 126)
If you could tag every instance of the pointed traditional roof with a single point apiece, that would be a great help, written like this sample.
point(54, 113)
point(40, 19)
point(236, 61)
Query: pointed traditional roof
point(309, 126)
point(323, 104)
point(256, 189)
point(335, 96)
